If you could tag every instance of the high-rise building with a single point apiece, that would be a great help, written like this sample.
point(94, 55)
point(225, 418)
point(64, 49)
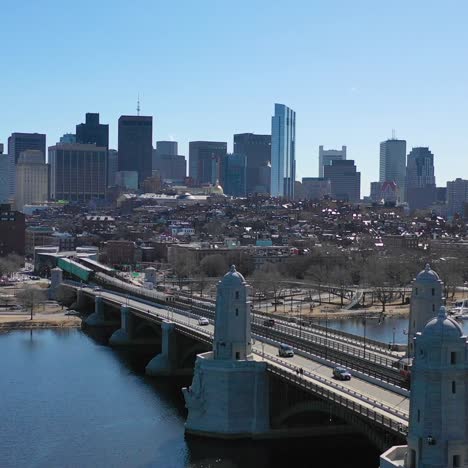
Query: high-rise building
point(17, 143)
point(170, 165)
point(327, 156)
point(257, 149)
point(32, 179)
point(112, 166)
point(67, 138)
point(457, 196)
point(316, 188)
point(135, 145)
point(344, 179)
point(393, 163)
point(12, 231)
point(78, 172)
point(283, 152)
point(93, 132)
point(4, 176)
point(206, 161)
point(235, 170)
point(420, 178)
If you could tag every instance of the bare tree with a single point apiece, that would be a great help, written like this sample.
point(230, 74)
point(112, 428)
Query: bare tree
point(341, 280)
point(30, 297)
point(65, 296)
point(268, 280)
point(214, 265)
point(451, 273)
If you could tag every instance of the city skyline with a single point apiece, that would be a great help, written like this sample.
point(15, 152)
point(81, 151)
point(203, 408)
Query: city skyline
point(354, 87)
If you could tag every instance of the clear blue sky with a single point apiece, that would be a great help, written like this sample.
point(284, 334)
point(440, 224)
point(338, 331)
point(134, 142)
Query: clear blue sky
point(206, 69)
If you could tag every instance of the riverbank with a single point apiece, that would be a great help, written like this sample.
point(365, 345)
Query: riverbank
point(52, 319)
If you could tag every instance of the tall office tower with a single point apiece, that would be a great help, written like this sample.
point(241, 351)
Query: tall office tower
point(235, 175)
point(112, 167)
point(171, 166)
point(4, 176)
point(316, 188)
point(78, 172)
point(206, 161)
point(32, 179)
point(93, 132)
point(327, 156)
point(457, 196)
point(17, 143)
point(393, 163)
point(344, 179)
point(12, 231)
point(283, 152)
point(257, 149)
point(135, 145)
point(67, 138)
point(420, 178)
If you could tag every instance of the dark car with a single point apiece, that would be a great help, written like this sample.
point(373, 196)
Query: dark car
point(341, 373)
point(269, 323)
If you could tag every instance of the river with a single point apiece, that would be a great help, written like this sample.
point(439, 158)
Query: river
point(67, 401)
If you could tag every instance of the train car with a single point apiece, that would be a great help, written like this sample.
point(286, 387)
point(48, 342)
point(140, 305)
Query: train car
point(75, 269)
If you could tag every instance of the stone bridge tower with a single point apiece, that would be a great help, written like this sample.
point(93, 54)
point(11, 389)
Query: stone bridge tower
point(229, 395)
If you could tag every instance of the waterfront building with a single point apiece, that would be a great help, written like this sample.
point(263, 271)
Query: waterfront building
point(457, 196)
point(78, 172)
point(327, 156)
point(345, 180)
point(257, 150)
point(135, 145)
point(206, 161)
point(426, 300)
point(235, 170)
point(12, 229)
point(283, 152)
point(393, 163)
point(92, 131)
point(32, 179)
point(316, 188)
point(420, 178)
point(438, 420)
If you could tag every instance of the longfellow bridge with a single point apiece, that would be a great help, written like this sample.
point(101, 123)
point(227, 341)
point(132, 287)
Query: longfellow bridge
point(302, 396)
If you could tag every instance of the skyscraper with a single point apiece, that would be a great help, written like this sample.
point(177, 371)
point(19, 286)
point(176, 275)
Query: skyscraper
point(171, 166)
point(283, 152)
point(135, 145)
point(257, 149)
point(393, 163)
point(457, 196)
point(420, 178)
point(4, 176)
point(78, 173)
point(92, 131)
point(17, 143)
point(112, 167)
point(344, 179)
point(327, 156)
point(206, 161)
point(235, 170)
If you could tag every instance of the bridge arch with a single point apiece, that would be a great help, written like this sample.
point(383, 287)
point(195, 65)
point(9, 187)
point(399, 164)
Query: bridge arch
point(378, 438)
point(189, 355)
point(147, 330)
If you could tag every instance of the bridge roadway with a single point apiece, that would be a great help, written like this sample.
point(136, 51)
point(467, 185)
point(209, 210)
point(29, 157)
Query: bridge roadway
point(382, 404)
point(374, 359)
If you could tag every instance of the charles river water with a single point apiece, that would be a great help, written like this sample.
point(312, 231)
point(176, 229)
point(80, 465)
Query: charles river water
point(68, 401)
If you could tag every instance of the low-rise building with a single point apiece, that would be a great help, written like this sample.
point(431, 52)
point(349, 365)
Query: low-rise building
point(12, 228)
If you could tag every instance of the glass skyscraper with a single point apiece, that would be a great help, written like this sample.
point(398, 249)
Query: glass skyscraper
point(393, 164)
point(283, 152)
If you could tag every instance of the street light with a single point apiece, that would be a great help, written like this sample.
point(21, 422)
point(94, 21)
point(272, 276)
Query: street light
point(365, 323)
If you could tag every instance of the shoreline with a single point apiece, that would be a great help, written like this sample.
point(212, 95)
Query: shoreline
point(42, 321)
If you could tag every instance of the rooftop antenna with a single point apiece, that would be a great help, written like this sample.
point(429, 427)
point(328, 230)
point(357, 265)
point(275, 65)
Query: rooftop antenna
point(138, 105)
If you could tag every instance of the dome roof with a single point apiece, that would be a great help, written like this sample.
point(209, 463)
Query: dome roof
point(185, 196)
point(217, 189)
point(442, 327)
point(233, 277)
point(427, 274)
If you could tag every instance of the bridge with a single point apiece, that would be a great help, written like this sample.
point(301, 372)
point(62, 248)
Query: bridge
point(303, 397)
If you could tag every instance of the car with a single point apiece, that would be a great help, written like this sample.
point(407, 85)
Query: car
point(341, 373)
point(269, 322)
point(203, 321)
point(285, 350)
point(97, 288)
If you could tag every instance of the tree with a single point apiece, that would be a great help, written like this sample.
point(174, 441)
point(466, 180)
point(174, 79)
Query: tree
point(10, 264)
point(451, 273)
point(183, 267)
point(214, 265)
point(341, 280)
point(65, 296)
point(30, 297)
point(268, 280)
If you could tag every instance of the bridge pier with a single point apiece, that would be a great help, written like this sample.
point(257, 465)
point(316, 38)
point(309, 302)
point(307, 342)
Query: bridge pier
point(166, 363)
point(98, 318)
point(123, 336)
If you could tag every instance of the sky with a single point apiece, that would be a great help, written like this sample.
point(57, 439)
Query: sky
point(352, 70)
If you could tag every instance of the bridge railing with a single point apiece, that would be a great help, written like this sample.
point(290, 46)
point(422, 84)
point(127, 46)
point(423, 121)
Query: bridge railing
point(341, 400)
